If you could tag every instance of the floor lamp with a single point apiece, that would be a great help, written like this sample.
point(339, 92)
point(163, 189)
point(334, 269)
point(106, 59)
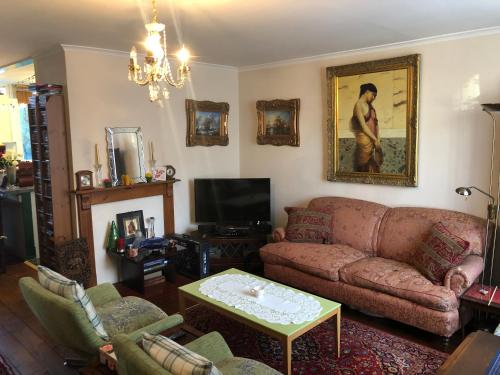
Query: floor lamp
point(492, 217)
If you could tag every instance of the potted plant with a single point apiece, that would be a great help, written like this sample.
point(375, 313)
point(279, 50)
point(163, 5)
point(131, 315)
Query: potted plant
point(8, 165)
point(149, 177)
point(107, 182)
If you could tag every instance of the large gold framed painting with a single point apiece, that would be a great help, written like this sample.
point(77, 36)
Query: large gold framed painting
point(373, 121)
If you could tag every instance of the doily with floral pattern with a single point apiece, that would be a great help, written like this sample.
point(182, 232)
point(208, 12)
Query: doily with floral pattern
point(275, 304)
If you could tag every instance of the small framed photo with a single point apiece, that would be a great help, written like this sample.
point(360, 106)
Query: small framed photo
point(159, 174)
point(128, 225)
point(84, 180)
point(207, 123)
point(278, 122)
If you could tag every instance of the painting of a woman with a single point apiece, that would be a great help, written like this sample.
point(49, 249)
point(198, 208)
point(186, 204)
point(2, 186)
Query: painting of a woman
point(368, 155)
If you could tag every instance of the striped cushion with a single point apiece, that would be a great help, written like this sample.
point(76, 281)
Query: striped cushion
point(73, 291)
point(176, 358)
point(441, 251)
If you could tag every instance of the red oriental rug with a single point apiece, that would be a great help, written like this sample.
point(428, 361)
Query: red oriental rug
point(5, 369)
point(364, 350)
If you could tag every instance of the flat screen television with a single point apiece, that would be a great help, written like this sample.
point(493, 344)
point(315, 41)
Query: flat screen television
point(232, 200)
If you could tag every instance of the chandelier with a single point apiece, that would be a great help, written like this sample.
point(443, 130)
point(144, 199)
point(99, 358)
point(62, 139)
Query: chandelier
point(156, 69)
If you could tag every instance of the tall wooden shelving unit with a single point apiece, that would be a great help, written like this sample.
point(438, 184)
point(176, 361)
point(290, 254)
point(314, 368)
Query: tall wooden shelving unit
point(50, 165)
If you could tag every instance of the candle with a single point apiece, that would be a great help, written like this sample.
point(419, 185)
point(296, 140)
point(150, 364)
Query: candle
point(96, 155)
point(152, 151)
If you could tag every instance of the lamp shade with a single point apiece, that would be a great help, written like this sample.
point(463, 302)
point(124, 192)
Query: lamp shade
point(465, 191)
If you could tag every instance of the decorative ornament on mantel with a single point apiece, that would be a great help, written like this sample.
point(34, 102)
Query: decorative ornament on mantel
point(156, 70)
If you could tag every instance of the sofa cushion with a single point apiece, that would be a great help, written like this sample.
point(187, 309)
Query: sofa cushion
point(355, 222)
point(308, 225)
point(403, 229)
point(176, 358)
point(322, 260)
point(128, 314)
point(70, 289)
point(441, 251)
point(400, 280)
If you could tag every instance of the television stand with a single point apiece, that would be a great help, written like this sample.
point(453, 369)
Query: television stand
point(240, 252)
point(232, 230)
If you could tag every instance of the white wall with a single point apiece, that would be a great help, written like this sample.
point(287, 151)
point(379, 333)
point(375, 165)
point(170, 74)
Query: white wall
point(100, 96)
point(454, 141)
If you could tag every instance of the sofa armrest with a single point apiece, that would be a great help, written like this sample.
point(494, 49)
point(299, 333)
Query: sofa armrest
point(279, 234)
point(157, 327)
point(211, 346)
point(459, 278)
point(103, 293)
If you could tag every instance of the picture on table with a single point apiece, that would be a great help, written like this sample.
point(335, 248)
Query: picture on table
point(129, 223)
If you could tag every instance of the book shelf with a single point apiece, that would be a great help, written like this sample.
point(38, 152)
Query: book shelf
point(50, 169)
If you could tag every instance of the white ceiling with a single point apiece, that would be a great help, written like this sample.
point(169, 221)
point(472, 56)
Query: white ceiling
point(237, 32)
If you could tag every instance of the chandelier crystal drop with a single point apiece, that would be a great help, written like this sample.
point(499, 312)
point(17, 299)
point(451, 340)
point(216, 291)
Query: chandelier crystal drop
point(156, 69)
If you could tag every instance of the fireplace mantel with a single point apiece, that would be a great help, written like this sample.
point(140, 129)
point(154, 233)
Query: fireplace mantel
point(89, 197)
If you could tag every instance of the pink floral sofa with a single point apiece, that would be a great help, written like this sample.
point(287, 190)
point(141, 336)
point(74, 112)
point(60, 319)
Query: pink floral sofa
point(368, 266)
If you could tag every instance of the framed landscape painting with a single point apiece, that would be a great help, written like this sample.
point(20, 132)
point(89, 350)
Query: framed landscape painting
point(206, 123)
point(373, 121)
point(278, 122)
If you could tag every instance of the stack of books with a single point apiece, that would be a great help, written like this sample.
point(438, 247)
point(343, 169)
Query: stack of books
point(45, 89)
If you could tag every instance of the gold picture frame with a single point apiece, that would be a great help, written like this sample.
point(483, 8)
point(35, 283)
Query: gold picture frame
point(278, 122)
point(207, 123)
point(373, 121)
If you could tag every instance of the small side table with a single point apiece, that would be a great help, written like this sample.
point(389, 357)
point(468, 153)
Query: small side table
point(135, 270)
point(480, 302)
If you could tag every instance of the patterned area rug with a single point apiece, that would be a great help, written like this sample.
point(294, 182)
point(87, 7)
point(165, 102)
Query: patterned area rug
point(5, 369)
point(365, 350)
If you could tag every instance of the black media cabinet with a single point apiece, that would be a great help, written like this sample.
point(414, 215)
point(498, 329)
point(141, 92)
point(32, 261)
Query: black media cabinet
point(148, 268)
point(240, 252)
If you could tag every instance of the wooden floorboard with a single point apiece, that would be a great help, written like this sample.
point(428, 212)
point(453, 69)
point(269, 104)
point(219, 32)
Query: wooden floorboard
point(28, 347)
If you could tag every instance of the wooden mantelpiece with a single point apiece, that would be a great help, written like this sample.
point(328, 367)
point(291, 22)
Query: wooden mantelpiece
point(87, 198)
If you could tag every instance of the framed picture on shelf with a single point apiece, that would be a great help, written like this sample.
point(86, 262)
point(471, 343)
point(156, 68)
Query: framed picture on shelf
point(207, 123)
point(159, 174)
point(278, 122)
point(373, 121)
point(129, 223)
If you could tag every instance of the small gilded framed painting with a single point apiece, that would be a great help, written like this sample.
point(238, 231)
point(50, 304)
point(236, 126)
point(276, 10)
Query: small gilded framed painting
point(278, 122)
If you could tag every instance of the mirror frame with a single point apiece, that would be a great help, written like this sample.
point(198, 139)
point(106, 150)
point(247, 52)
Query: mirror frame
point(111, 156)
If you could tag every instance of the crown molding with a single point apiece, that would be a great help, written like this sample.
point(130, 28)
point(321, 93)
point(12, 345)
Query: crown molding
point(384, 47)
point(113, 52)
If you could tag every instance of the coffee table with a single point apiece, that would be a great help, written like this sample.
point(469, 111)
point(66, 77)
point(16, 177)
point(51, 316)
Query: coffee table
point(285, 333)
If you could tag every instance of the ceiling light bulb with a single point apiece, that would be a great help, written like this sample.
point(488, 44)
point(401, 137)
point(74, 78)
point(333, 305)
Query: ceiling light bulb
point(152, 42)
point(183, 55)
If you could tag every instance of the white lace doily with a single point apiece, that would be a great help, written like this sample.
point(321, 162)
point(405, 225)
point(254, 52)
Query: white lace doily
point(276, 304)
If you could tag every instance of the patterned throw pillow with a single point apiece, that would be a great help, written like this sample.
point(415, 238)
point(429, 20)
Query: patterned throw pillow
point(308, 226)
point(441, 251)
point(176, 358)
point(73, 291)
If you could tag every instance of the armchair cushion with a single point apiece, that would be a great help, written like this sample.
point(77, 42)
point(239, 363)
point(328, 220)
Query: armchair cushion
point(441, 251)
point(125, 315)
point(72, 291)
point(238, 365)
point(176, 358)
point(306, 225)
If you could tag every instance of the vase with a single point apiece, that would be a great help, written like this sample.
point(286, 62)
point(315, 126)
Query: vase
point(11, 175)
point(113, 236)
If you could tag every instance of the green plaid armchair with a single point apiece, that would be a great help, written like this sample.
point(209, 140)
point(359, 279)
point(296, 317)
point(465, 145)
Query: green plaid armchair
point(68, 324)
point(132, 360)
